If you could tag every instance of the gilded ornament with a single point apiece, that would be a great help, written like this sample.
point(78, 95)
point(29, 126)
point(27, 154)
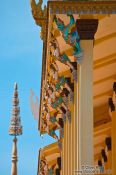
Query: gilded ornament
point(40, 16)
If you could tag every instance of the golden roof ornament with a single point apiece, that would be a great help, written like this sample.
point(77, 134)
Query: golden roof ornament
point(40, 16)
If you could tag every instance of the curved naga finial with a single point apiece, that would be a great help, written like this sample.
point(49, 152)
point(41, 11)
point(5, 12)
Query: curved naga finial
point(40, 16)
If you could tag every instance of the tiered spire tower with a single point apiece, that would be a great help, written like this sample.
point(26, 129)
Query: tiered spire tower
point(15, 128)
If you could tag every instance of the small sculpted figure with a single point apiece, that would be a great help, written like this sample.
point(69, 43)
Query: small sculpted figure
point(59, 81)
point(70, 35)
point(63, 58)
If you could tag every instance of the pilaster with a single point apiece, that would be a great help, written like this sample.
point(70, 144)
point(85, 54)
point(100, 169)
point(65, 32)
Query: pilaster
point(86, 29)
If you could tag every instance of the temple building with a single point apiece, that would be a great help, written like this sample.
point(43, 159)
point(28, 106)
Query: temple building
point(78, 86)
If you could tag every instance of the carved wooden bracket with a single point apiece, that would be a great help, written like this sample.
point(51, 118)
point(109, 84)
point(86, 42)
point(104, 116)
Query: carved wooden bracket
point(114, 87)
point(111, 104)
point(104, 156)
point(108, 142)
point(40, 16)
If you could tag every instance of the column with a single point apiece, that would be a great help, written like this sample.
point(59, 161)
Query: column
point(85, 156)
point(14, 157)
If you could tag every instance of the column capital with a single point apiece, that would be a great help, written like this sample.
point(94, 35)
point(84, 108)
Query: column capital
point(87, 28)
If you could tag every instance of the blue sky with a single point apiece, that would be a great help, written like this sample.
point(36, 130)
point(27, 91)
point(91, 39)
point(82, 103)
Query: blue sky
point(20, 61)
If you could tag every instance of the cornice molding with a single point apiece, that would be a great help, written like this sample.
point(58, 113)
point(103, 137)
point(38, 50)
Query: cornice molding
point(82, 7)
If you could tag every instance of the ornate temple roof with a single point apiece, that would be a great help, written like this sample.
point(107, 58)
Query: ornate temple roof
point(104, 61)
point(49, 157)
point(104, 55)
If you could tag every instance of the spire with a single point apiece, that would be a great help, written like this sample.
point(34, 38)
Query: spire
point(15, 124)
point(15, 128)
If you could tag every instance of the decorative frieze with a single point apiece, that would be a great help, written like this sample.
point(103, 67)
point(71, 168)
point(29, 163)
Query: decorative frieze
point(82, 7)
